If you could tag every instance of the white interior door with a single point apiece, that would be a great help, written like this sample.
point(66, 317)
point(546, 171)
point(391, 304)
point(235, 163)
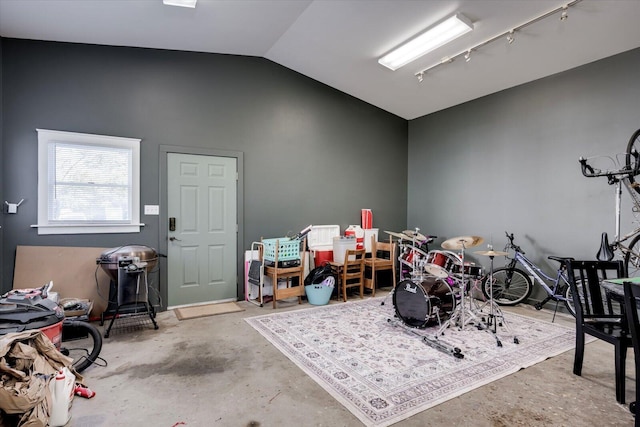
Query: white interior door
point(201, 264)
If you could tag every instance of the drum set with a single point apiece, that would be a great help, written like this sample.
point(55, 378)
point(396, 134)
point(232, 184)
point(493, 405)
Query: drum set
point(436, 287)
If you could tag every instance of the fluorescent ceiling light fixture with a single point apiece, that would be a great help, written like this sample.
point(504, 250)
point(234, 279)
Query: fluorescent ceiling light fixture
point(446, 31)
point(181, 3)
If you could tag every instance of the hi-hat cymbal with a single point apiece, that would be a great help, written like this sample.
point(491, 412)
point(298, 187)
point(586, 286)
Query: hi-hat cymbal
point(398, 235)
point(415, 235)
point(462, 242)
point(491, 253)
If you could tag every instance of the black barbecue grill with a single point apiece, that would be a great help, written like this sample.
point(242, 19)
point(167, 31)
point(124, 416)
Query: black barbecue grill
point(128, 267)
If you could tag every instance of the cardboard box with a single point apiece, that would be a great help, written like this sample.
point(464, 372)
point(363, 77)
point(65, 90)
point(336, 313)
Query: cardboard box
point(75, 311)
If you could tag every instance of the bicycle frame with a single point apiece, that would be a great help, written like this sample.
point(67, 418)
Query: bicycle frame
point(623, 175)
point(540, 276)
point(618, 202)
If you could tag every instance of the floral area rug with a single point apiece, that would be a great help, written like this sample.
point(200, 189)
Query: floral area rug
point(384, 372)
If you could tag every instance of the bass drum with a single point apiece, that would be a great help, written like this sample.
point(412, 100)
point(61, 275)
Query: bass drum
point(419, 305)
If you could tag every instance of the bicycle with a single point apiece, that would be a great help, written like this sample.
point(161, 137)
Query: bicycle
point(511, 285)
point(621, 174)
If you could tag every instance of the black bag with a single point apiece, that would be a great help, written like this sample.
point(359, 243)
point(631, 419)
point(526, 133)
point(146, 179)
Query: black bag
point(318, 274)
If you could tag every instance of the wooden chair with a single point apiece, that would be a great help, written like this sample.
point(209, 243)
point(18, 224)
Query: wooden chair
point(594, 316)
point(288, 273)
point(377, 263)
point(631, 300)
point(352, 272)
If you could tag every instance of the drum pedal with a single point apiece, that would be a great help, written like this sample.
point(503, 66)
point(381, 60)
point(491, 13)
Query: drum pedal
point(455, 351)
point(433, 343)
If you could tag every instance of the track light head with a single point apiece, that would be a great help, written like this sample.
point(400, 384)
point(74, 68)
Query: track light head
point(420, 77)
point(510, 38)
point(565, 14)
point(467, 56)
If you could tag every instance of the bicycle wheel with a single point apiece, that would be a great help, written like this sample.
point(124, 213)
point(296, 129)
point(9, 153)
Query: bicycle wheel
point(510, 286)
point(634, 144)
point(571, 308)
point(614, 307)
point(632, 258)
point(82, 342)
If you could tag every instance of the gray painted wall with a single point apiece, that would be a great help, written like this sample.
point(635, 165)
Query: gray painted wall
point(509, 161)
point(312, 155)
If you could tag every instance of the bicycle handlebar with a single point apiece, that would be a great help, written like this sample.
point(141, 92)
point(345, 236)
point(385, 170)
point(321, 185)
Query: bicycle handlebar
point(612, 175)
point(515, 247)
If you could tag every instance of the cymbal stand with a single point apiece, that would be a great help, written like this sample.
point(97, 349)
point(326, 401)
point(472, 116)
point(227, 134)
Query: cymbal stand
point(400, 261)
point(495, 315)
point(462, 315)
point(414, 257)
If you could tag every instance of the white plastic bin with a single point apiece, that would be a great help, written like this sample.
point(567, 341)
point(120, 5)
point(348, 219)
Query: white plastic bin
point(320, 241)
point(340, 246)
point(322, 235)
point(367, 238)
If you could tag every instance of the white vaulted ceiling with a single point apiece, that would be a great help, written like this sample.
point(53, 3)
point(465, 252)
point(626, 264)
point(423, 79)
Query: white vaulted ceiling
point(338, 42)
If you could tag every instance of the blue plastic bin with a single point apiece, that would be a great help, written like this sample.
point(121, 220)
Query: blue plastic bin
point(318, 294)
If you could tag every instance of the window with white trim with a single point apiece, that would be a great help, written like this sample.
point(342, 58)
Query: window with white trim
point(87, 183)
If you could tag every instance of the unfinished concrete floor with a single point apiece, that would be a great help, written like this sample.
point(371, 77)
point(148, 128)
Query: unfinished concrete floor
point(219, 371)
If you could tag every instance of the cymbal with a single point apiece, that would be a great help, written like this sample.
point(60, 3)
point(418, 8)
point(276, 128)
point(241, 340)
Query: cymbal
point(436, 270)
point(415, 235)
point(491, 253)
point(462, 242)
point(398, 235)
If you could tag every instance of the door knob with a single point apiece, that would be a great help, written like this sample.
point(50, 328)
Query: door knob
point(173, 239)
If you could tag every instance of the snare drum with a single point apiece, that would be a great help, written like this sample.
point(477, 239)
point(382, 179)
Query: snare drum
point(419, 305)
point(441, 263)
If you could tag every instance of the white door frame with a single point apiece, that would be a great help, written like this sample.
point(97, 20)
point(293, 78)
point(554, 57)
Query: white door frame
point(164, 218)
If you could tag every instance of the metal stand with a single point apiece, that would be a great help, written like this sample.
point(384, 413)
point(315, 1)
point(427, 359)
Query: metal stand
point(495, 317)
point(131, 300)
point(256, 274)
point(389, 294)
point(463, 314)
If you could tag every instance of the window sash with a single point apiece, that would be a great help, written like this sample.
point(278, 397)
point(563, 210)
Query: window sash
point(85, 180)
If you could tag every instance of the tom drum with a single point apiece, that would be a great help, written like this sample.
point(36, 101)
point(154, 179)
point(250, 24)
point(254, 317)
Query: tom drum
point(441, 263)
point(470, 270)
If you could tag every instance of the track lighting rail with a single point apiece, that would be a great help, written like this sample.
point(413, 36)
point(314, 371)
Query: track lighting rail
point(509, 35)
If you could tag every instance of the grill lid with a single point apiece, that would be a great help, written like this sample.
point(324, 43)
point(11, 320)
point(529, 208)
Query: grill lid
point(108, 259)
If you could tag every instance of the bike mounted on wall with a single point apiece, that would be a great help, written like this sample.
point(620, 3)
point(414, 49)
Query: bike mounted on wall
point(620, 174)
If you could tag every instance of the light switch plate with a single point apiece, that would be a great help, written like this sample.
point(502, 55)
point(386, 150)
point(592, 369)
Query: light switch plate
point(151, 210)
